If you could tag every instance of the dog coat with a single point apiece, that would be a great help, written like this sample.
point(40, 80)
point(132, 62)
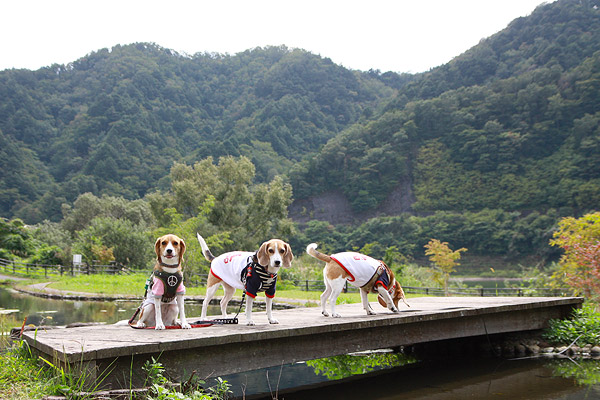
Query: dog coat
point(361, 268)
point(174, 286)
point(238, 270)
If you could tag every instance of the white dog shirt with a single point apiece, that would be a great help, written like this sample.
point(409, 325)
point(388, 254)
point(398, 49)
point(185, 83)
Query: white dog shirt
point(229, 266)
point(360, 267)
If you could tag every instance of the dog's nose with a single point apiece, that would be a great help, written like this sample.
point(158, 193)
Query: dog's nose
point(169, 251)
point(277, 262)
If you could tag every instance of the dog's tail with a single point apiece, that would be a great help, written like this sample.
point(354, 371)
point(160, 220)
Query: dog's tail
point(311, 249)
point(207, 254)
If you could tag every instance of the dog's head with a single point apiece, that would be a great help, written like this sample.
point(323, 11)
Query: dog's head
point(275, 253)
point(397, 295)
point(169, 250)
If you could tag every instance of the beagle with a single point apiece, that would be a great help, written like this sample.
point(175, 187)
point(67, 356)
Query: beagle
point(164, 299)
point(252, 272)
point(364, 272)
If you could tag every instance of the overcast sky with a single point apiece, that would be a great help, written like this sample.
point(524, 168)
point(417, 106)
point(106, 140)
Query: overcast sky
point(389, 35)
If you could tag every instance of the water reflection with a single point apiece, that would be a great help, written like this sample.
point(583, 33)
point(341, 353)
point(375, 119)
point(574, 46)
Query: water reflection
point(452, 379)
point(42, 311)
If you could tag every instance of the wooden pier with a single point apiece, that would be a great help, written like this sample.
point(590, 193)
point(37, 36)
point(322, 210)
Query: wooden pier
point(302, 334)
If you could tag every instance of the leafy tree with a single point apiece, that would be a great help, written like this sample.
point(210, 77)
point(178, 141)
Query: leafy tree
point(228, 200)
point(106, 238)
point(580, 264)
point(15, 239)
point(444, 259)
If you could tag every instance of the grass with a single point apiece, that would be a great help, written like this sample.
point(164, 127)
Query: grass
point(133, 285)
point(20, 375)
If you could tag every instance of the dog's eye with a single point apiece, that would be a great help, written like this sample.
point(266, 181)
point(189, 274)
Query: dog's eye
point(281, 251)
point(164, 243)
point(271, 251)
point(175, 244)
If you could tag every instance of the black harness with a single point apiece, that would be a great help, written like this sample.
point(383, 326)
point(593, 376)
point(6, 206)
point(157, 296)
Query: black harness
point(256, 278)
point(171, 282)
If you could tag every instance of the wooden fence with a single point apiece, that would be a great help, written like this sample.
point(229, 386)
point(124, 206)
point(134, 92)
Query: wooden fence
point(25, 269)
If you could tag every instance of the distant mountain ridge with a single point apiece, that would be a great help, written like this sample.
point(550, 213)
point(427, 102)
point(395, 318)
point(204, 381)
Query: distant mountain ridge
point(513, 123)
point(114, 121)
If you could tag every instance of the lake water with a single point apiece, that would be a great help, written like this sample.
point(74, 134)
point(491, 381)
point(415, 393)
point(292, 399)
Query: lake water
point(374, 376)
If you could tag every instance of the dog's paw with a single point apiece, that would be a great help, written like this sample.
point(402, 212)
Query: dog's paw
point(336, 315)
point(394, 309)
point(273, 321)
point(250, 322)
point(371, 312)
point(159, 327)
point(140, 324)
point(185, 325)
point(325, 313)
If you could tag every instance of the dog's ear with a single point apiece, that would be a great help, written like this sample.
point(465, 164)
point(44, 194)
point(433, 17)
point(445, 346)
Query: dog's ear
point(262, 255)
point(288, 256)
point(157, 248)
point(182, 246)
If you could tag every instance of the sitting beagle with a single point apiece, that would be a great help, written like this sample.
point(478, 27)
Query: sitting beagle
point(164, 299)
point(364, 272)
point(250, 271)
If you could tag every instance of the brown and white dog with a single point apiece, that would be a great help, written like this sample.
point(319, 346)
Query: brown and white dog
point(250, 271)
point(164, 299)
point(364, 272)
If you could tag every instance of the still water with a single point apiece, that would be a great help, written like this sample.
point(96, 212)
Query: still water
point(42, 311)
point(374, 376)
point(455, 379)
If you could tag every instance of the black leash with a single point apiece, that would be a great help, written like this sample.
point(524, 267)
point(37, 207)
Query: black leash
point(226, 321)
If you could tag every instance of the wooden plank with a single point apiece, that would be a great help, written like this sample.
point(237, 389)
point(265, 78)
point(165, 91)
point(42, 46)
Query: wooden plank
point(302, 334)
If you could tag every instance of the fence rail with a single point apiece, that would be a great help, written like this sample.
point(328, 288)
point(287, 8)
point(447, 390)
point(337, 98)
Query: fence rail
point(26, 269)
point(311, 285)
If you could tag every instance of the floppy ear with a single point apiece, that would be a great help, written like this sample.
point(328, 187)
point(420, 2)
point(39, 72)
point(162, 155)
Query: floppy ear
point(288, 257)
point(262, 256)
point(182, 245)
point(157, 248)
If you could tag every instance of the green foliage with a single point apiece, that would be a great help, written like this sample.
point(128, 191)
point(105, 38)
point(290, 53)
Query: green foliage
point(583, 327)
point(160, 387)
point(580, 263)
point(585, 372)
point(444, 260)
point(20, 375)
point(14, 238)
point(114, 121)
point(128, 244)
point(344, 366)
point(223, 203)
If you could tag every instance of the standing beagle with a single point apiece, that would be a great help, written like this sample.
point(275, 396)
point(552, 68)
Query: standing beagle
point(253, 272)
point(364, 272)
point(164, 301)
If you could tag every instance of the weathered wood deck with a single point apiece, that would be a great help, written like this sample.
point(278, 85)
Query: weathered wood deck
point(302, 334)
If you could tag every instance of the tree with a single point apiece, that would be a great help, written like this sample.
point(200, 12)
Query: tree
point(445, 259)
point(580, 263)
point(229, 201)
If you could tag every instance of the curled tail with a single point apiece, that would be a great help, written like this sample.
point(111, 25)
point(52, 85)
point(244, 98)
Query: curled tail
point(205, 251)
point(311, 249)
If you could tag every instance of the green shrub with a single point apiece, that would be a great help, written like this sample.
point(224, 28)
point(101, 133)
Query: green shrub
point(583, 327)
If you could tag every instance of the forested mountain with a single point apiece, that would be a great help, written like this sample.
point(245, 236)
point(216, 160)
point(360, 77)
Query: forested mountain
point(114, 121)
point(512, 124)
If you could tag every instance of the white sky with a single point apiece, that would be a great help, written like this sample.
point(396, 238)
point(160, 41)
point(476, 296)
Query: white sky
point(389, 35)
